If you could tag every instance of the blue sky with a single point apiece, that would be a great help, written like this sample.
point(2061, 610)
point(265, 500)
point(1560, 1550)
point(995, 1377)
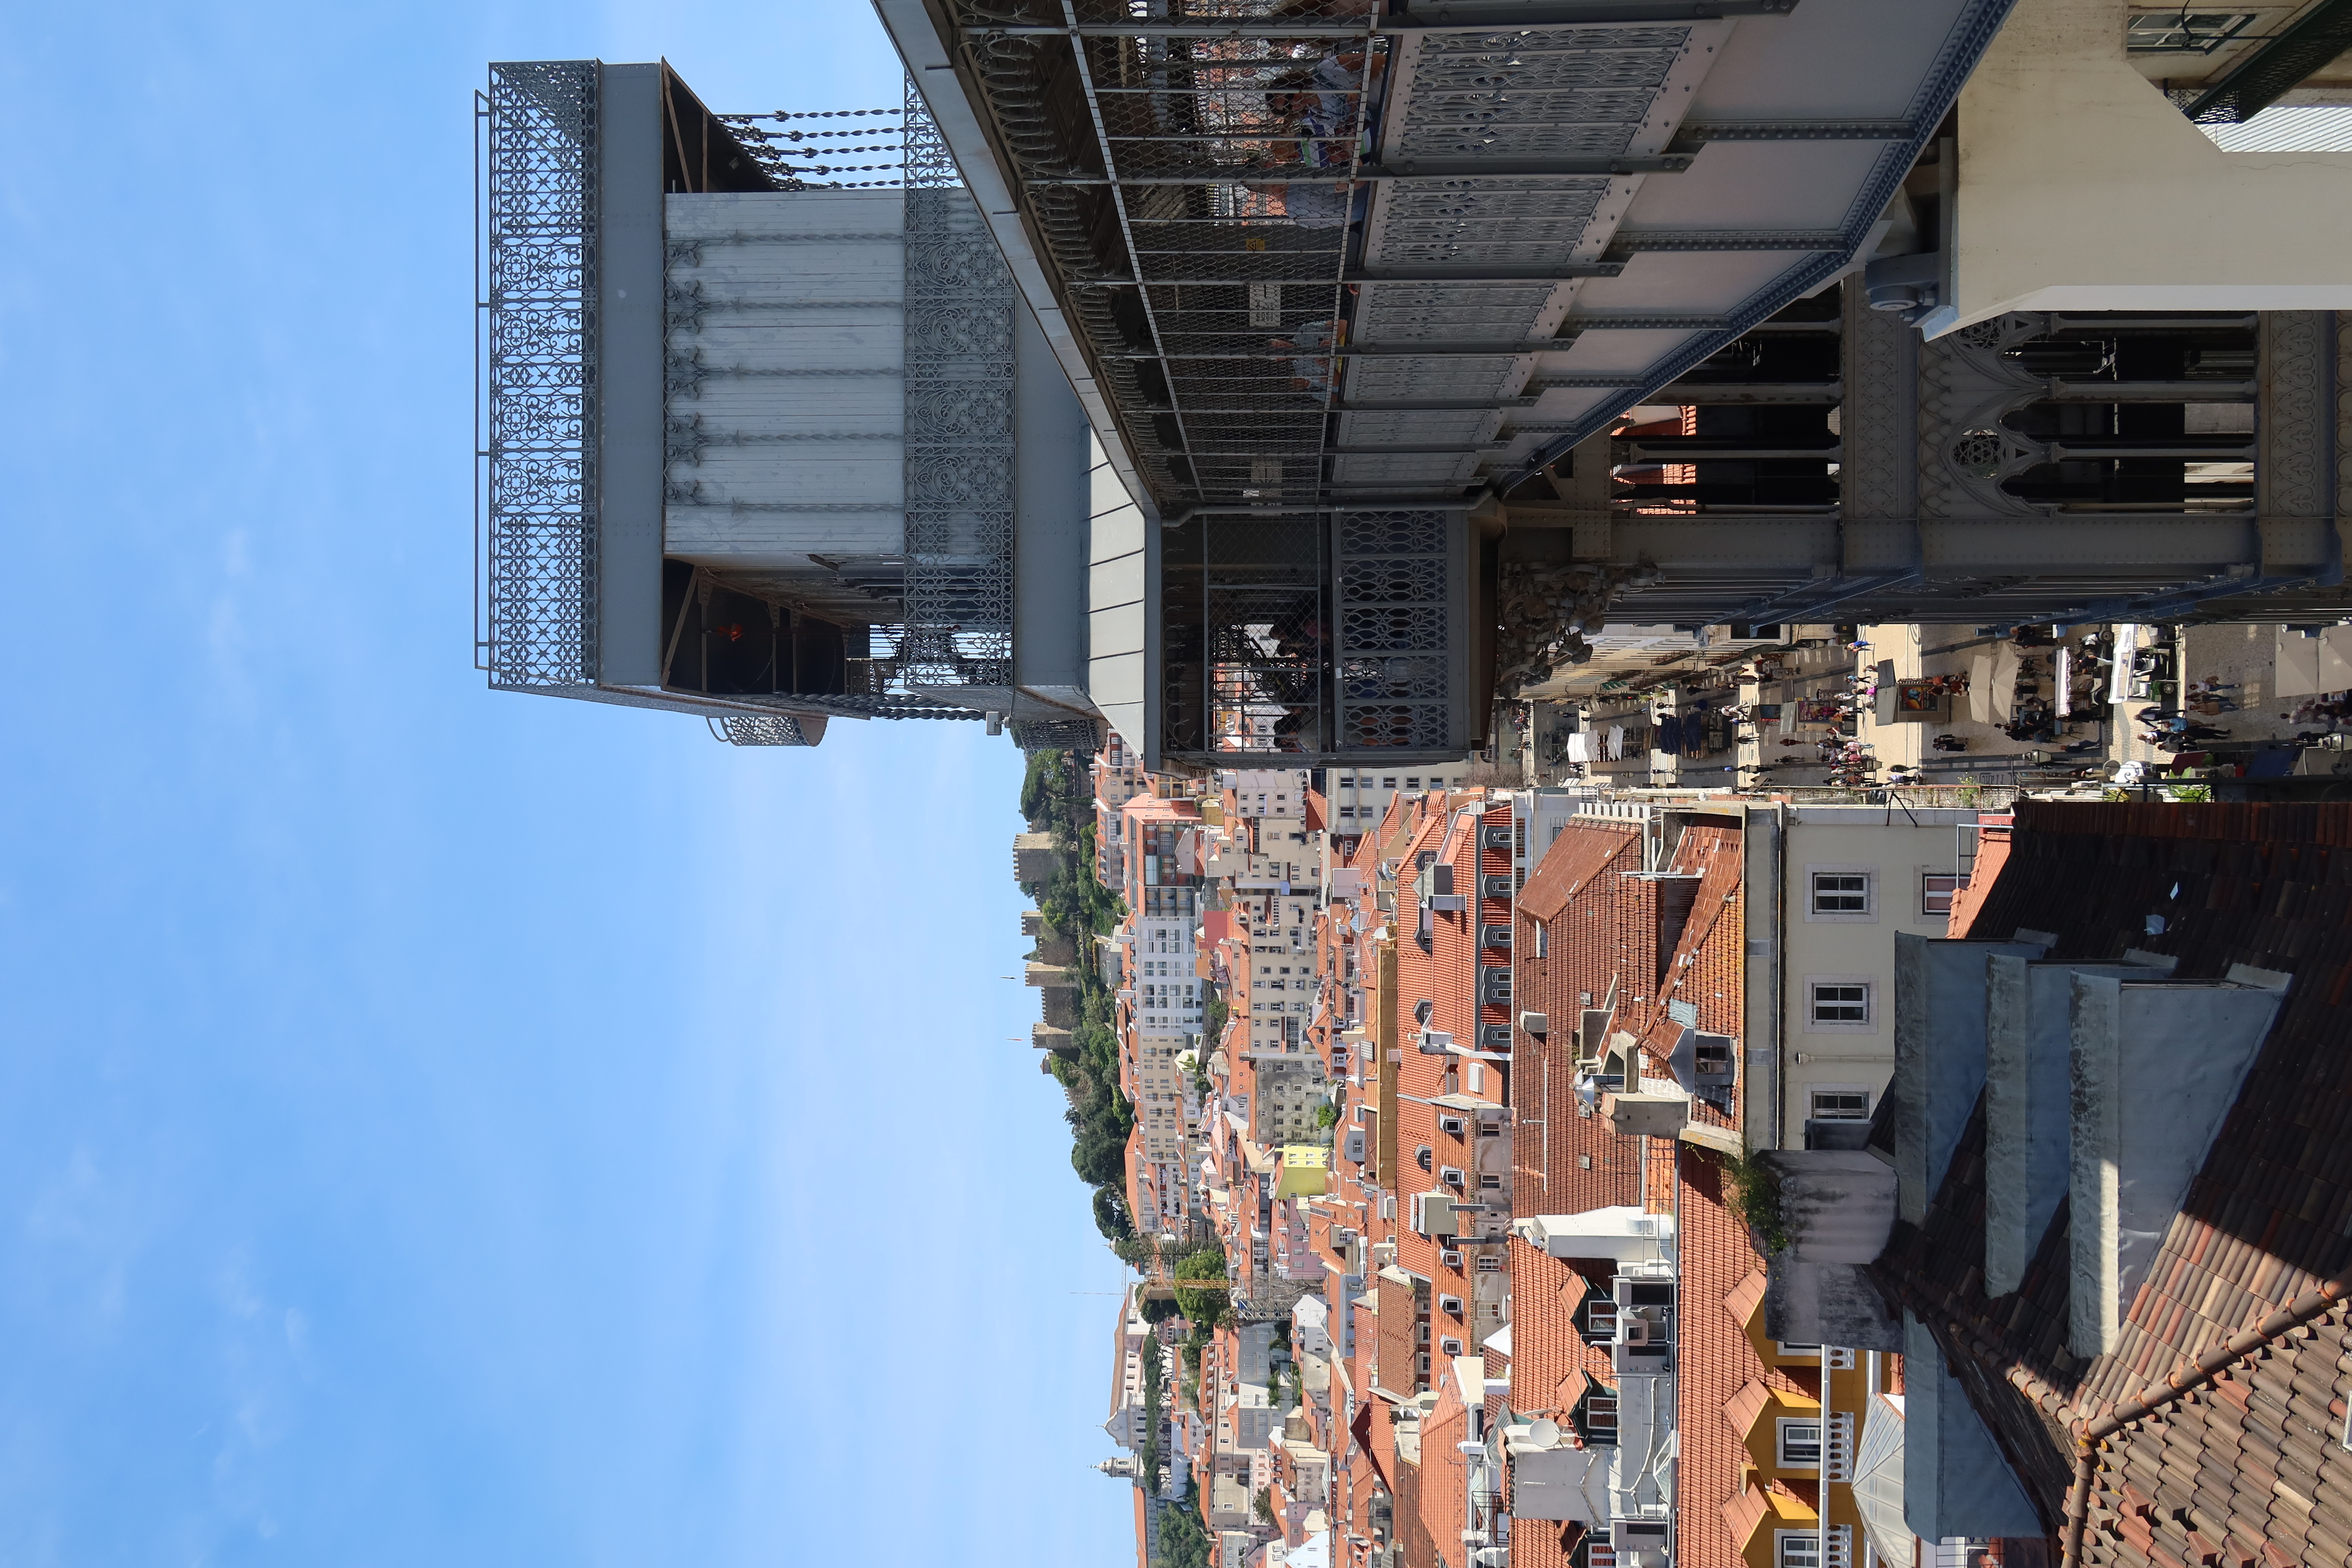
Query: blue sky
point(438, 1127)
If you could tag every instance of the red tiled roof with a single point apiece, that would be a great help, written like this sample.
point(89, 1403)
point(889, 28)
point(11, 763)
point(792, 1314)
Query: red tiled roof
point(1444, 1475)
point(1551, 1362)
point(1583, 851)
point(1716, 1361)
point(2260, 1242)
point(1743, 1514)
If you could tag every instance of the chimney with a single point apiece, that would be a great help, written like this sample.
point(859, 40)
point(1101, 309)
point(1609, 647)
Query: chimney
point(2028, 1032)
point(1940, 1054)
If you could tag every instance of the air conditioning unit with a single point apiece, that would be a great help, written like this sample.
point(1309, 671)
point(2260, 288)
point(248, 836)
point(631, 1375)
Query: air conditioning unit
point(1450, 1305)
point(1535, 1023)
point(1449, 1345)
point(1433, 1215)
point(1451, 1176)
point(1636, 1331)
point(1452, 1259)
point(1434, 1042)
point(1452, 1125)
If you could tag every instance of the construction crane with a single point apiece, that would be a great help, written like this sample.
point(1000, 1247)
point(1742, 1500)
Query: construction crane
point(1201, 1285)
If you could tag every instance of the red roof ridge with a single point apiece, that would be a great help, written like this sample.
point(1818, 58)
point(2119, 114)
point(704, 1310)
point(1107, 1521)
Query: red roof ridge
point(1744, 1510)
point(2210, 1367)
point(1746, 1405)
point(1742, 1298)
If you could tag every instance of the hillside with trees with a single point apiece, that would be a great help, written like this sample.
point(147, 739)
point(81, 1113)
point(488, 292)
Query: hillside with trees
point(1057, 799)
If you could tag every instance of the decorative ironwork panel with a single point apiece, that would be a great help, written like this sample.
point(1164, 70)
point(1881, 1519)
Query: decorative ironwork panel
point(540, 375)
point(1393, 578)
point(958, 428)
point(760, 729)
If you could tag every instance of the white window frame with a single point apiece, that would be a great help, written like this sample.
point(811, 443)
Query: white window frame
point(1780, 1442)
point(1867, 915)
point(1815, 1025)
point(1959, 883)
point(1812, 1111)
point(1808, 1544)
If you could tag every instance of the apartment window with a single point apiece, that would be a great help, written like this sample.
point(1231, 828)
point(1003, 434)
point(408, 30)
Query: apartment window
point(1838, 893)
point(2183, 32)
point(1800, 1444)
point(1387, 783)
point(1841, 1104)
point(1837, 1003)
point(1601, 1419)
point(1935, 890)
point(1413, 783)
point(1796, 1548)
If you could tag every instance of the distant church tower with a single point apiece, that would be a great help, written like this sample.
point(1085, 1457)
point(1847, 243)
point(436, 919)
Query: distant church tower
point(1123, 1466)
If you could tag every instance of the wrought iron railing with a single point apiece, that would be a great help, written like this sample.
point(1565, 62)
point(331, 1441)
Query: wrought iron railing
point(535, 493)
point(958, 486)
point(1194, 178)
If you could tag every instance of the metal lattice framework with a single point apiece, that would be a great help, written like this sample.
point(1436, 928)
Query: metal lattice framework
point(958, 428)
point(748, 730)
point(539, 372)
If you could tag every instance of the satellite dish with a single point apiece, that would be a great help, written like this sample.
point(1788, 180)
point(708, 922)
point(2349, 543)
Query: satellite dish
point(1543, 1432)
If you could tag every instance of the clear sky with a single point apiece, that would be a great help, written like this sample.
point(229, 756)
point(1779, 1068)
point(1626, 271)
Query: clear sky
point(439, 1128)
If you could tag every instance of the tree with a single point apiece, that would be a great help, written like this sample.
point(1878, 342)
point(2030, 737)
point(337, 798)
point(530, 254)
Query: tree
point(1204, 1307)
point(1099, 1158)
point(1183, 1537)
point(1110, 1214)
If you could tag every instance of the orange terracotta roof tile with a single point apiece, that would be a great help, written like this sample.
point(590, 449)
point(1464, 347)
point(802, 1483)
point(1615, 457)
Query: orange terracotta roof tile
point(1743, 1513)
point(1746, 1405)
point(1745, 1298)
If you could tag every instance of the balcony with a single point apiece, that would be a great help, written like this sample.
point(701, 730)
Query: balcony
point(1837, 1446)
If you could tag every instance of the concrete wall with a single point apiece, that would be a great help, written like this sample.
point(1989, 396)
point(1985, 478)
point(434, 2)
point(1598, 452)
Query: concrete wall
point(1894, 855)
point(788, 463)
point(1052, 451)
point(2083, 188)
point(629, 377)
point(1839, 1208)
point(2155, 1067)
